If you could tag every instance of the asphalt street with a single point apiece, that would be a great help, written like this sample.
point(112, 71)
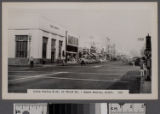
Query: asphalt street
point(110, 75)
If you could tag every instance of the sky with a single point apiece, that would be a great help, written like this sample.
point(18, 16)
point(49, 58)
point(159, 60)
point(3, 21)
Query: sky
point(122, 23)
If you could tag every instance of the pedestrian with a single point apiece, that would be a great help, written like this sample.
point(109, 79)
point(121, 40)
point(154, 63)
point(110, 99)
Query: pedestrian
point(82, 62)
point(68, 57)
point(63, 60)
point(31, 62)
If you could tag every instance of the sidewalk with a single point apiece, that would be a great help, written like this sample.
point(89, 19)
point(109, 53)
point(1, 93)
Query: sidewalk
point(145, 86)
point(134, 83)
point(137, 83)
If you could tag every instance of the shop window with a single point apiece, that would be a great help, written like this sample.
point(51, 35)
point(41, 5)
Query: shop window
point(21, 45)
point(72, 48)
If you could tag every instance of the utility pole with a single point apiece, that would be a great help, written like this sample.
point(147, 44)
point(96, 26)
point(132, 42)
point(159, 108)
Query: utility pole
point(148, 56)
point(108, 47)
point(66, 36)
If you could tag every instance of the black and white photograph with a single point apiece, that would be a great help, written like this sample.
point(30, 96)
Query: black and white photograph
point(76, 50)
point(85, 108)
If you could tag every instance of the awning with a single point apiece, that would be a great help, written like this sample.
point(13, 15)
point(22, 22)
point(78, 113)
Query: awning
point(72, 52)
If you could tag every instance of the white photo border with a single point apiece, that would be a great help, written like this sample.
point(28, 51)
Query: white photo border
point(19, 96)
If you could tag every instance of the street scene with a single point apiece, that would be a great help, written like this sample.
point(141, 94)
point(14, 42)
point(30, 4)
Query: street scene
point(95, 49)
point(108, 75)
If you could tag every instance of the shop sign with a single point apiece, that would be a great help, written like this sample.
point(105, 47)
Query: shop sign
point(72, 40)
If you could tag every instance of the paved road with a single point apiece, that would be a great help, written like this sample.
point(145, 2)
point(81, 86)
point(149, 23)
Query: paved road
point(110, 75)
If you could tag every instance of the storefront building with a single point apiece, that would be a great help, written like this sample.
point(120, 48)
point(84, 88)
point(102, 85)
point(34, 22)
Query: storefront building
point(71, 48)
point(34, 37)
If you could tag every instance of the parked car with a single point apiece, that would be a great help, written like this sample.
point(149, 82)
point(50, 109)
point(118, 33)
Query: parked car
point(135, 61)
point(103, 60)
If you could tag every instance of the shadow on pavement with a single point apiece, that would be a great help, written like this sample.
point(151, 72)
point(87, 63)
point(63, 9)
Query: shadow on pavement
point(133, 82)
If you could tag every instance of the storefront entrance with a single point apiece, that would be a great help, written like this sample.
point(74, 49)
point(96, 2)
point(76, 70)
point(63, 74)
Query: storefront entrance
point(53, 50)
point(44, 49)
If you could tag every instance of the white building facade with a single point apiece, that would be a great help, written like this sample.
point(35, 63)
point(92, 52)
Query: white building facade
point(33, 36)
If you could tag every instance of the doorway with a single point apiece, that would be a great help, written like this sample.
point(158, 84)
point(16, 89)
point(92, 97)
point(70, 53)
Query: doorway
point(53, 50)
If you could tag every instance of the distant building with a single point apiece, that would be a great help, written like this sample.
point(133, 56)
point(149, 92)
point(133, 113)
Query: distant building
point(34, 36)
point(84, 52)
point(111, 51)
point(93, 49)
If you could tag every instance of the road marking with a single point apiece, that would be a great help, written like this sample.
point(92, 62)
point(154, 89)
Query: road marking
point(97, 66)
point(111, 75)
point(63, 78)
point(88, 73)
point(36, 76)
point(107, 74)
point(120, 71)
point(23, 71)
point(79, 79)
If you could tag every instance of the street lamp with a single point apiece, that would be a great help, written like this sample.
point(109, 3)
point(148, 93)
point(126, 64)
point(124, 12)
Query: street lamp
point(108, 47)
